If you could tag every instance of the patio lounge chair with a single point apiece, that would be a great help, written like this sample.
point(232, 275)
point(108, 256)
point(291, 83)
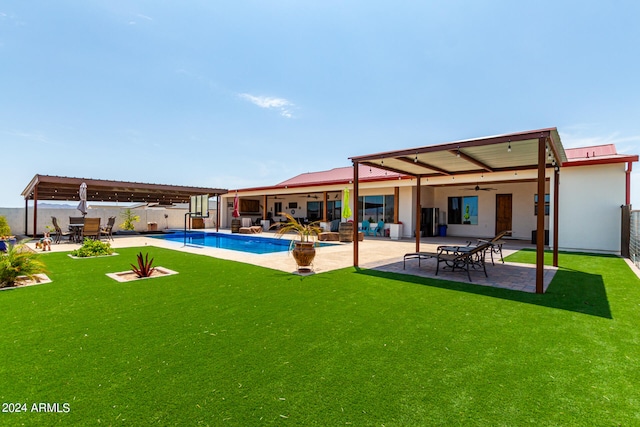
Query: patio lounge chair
point(59, 233)
point(249, 228)
point(463, 258)
point(496, 244)
point(91, 228)
point(454, 257)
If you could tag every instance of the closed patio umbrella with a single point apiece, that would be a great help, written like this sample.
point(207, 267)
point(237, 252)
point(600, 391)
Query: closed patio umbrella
point(346, 210)
point(236, 211)
point(82, 206)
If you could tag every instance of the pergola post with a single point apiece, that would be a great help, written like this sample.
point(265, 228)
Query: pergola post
point(396, 204)
point(325, 209)
point(542, 160)
point(35, 210)
point(556, 212)
point(217, 212)
point(418, 213)
point(26, 216)
point(356, 213)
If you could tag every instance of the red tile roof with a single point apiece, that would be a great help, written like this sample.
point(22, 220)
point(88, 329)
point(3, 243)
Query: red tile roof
point(338, 175)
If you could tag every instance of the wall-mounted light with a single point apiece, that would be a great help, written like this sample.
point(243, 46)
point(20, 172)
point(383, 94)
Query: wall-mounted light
point(509, 147)
point(458, 152)
point(416, 159)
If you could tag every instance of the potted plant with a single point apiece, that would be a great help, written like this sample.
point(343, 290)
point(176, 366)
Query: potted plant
point(129, 219)
point(304, 250)
point(19, 261)
point(5, 234)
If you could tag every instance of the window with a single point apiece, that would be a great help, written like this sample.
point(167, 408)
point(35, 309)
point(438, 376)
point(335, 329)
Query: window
point(376, 208)
point(277, 207)
point(314, 211)
point(334, 209)
point(546, 204)
point(463, 210)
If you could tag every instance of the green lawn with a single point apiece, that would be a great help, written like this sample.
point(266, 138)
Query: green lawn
point(224, 343)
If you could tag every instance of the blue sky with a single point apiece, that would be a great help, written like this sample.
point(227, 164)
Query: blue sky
point(237, 94)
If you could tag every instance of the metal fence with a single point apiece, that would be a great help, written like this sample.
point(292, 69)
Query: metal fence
point(634, 240)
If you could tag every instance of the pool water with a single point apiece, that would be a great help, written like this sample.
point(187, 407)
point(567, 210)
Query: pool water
point(234, 242)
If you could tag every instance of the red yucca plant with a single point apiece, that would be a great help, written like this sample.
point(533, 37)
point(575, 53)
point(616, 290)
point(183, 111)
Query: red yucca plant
point(144, 268)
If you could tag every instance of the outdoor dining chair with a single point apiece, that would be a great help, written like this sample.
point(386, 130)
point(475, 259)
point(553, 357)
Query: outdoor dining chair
point(107, 230)
point(59, 233)
point(91, 228)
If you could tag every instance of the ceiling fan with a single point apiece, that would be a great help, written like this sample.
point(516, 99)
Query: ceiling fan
point(478, 188)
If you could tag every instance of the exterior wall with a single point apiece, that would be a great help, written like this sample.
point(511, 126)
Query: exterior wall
point(175, 217)
point(590, 200)
point(589, 211)
point(523, 218)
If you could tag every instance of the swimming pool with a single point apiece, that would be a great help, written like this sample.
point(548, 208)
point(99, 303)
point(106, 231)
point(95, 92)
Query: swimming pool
point(234, 242)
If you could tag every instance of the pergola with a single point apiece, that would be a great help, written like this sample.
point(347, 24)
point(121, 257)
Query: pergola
point(537, 150)
point(61, 188)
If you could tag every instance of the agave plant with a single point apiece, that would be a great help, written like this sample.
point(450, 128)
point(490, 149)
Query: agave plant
point(19, 260)
point(304, 231)
point(144, 268)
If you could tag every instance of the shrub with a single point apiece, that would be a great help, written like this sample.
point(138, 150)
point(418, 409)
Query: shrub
point(129, 219)
point(4, 227)
point(18, 261)
point(144, 268)
point(92, 247)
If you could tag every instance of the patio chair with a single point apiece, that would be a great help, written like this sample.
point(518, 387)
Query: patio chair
point(365, 227)
point(107, 230)
point(91, 228)
point(380, 228)
point(59, 233)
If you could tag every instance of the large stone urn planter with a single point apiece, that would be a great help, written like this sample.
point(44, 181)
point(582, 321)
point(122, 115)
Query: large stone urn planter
point(304, 253)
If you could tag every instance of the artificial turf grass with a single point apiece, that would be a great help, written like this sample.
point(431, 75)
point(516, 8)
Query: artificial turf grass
point(229, 343)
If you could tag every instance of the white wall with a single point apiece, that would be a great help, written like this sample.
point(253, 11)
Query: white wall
point(590, 200)
point(523, 218)
point(175, 219)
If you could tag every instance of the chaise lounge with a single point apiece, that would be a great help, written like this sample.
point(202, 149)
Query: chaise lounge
point(455, 257)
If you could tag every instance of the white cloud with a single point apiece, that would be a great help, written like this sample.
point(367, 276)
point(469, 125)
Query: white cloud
point(33, 136)
point(280, 104)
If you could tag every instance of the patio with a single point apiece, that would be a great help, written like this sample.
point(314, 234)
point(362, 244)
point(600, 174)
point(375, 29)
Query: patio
point(375, 253)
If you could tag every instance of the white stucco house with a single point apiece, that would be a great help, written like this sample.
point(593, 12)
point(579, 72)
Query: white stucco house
point(475, 187)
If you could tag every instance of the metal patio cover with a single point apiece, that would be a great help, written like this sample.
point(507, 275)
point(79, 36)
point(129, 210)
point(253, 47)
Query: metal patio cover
point(473, 156)
point(46, 187)
point(530, 150)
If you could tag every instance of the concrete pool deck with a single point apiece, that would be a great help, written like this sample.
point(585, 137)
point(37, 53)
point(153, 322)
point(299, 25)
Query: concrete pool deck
point(375, 253)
